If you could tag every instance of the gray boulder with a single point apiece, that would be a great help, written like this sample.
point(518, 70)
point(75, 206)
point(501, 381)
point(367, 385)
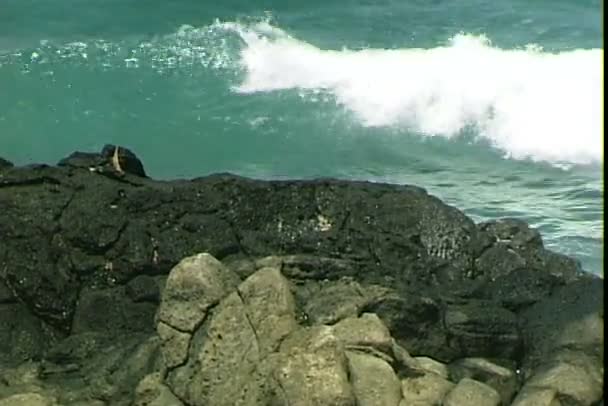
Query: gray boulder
point(469, 392)
point(503, 380)
point(312, 369)
point(532, 396)
point(428, 387)
point(28, 399)
point(151, 391)
point(255, 353)
point(194, 285)
point(373, 380)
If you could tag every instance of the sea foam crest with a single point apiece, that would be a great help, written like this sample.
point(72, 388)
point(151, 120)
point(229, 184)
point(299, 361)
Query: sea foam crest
point(526, 102)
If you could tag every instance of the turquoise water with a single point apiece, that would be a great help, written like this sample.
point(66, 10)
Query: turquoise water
point(493, 106)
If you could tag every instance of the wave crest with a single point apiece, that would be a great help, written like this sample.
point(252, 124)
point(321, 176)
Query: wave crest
point(529, 103)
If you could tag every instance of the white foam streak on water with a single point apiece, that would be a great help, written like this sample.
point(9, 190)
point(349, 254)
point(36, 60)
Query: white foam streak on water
point(529, 103)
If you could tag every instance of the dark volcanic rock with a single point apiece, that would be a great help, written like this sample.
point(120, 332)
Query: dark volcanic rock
point(22, 335)
point(85, 248)
point(416, 321)
point(5, 164)
point(113, 311)
point(570, 319)
point(144, 288)
point(481, 328)
point(82, 229)
point(521, 288)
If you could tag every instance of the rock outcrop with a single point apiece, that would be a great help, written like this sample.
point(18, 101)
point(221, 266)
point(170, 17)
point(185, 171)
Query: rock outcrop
point(116, 289)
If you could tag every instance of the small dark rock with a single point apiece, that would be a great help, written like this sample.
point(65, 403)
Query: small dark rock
point(482, 329)
point(516, 233)
point(564, 267)
point(6, 295)
point(499, 260)
point(570, 318)
point(85, 160)
point(112, 311)
point(22, 335)
point(5, 164)
point(143, 288)
point(521, 288)
point(327, 302)
point(316, 268)
point(415, 321)
point(76, 348)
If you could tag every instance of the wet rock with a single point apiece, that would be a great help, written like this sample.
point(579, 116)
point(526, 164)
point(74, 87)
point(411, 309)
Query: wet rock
point(473, 393)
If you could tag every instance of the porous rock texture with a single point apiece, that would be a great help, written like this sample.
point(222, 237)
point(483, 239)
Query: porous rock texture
point(117, 289)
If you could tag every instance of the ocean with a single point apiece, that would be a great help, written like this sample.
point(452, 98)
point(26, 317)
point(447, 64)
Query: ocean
point(493, 106)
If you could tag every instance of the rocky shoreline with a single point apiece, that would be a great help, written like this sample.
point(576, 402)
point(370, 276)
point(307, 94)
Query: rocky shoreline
point(117, 289)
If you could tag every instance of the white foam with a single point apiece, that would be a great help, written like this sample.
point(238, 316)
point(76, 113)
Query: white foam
point(527, 102)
